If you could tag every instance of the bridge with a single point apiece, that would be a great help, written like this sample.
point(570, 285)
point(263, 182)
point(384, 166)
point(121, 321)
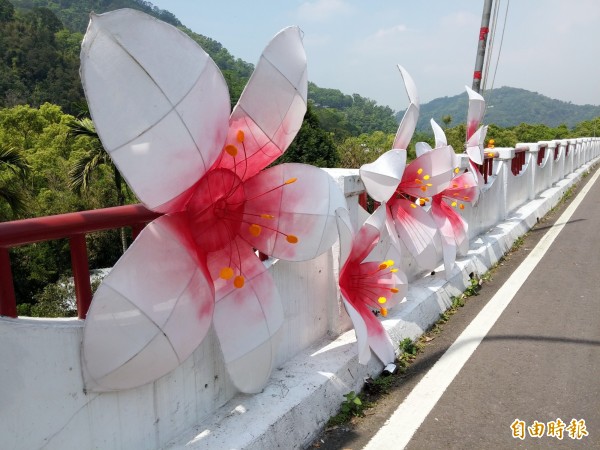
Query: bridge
point(195, 406)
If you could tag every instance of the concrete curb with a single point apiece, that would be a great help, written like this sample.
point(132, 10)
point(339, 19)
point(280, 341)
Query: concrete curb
point(303, 394)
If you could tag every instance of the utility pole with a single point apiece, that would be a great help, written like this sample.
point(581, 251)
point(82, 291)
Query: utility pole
point(483, 33)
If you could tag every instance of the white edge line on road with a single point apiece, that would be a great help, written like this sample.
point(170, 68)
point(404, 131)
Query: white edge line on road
point(408, 417)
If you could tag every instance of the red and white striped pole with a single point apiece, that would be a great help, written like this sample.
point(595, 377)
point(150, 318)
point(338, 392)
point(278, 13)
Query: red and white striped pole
point(483, 33)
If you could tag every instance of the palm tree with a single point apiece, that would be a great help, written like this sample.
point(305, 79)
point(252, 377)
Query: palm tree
point(84, 168)
point(13, 160)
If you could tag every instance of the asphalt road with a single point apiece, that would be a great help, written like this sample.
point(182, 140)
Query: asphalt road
point(538, 364)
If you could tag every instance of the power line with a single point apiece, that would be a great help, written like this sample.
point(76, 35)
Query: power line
point(499, 52)
point(490, 48)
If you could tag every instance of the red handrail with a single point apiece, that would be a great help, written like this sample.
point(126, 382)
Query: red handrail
point(541, 155)
point(73, 226)
point(486, 169)
point(518, 161)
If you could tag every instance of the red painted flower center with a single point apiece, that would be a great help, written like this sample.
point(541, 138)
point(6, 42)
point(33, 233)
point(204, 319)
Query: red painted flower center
point(216, 209)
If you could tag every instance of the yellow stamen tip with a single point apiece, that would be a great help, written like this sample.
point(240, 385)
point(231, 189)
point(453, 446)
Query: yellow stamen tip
point(384, 312)
point(382, 300)
point(394, 290)
point(490, 154)
point(454, 204)
point(412, 205)
point(291, 180)
point(456, 170)
point(393, 270)
point(255, 229)
point(292, 239)
point(226, 273)
point(240, 136)
point(390, 262)
point(420, 171)
point(422, 202)
point(267, 216)
point(231, 149)
point(239, 281)
point(429, 184)
point(426, 177)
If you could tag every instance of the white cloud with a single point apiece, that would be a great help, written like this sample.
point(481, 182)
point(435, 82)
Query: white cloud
point(320, 10)
point(388, 32)
point(461, 19)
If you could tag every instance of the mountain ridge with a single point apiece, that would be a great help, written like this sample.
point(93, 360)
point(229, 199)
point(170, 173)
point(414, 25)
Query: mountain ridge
point(349, 114)
point(507, 107)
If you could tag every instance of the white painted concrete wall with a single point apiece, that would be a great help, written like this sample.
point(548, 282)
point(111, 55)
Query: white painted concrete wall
point(43, 405)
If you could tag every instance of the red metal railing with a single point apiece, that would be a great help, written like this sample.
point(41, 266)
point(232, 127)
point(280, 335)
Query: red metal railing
point(541, 155)
point(367, 202)
point(488, 164)
point(73, 226)
point(518, 161)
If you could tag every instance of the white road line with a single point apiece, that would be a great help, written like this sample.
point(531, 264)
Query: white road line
point(402, 425)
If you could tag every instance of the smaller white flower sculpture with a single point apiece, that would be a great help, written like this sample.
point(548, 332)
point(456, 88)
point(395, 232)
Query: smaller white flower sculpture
point(368, 286)
point(389, 179)
point(464, 187)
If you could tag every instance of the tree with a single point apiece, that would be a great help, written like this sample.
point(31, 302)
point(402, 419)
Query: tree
point(312, 145)
point(447, 119)
point(83, 170)
point(7, 11)
point(12, 161)
point(366, 148)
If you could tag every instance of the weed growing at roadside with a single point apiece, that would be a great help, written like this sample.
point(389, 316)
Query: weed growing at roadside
point(353, 406)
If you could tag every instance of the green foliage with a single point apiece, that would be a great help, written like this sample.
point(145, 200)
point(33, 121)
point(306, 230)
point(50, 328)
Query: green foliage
point(356, 151)
point(13, 169)
point(39, 60)
point(39, 136)
point(349, 115)
point(458, 302)
point(55, 300)
point(75, 13)
point(381, 385)
point(408, 347)
point(312, 145)
point(353, 406)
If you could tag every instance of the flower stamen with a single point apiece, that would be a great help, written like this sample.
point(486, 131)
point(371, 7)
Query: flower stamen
point(255, 229)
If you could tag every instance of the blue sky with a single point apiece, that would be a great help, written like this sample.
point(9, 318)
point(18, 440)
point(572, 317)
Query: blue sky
point(549, 46)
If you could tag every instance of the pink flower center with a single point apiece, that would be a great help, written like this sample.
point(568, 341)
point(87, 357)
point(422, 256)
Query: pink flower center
point(216, 210)
point(371, 283)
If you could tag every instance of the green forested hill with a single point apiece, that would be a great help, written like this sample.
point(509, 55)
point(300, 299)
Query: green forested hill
point(39, 62)
point(508, 107)
point(74, 14)
point(39, 55)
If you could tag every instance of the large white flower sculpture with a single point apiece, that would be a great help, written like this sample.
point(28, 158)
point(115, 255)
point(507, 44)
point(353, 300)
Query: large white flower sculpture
point(161, 108)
